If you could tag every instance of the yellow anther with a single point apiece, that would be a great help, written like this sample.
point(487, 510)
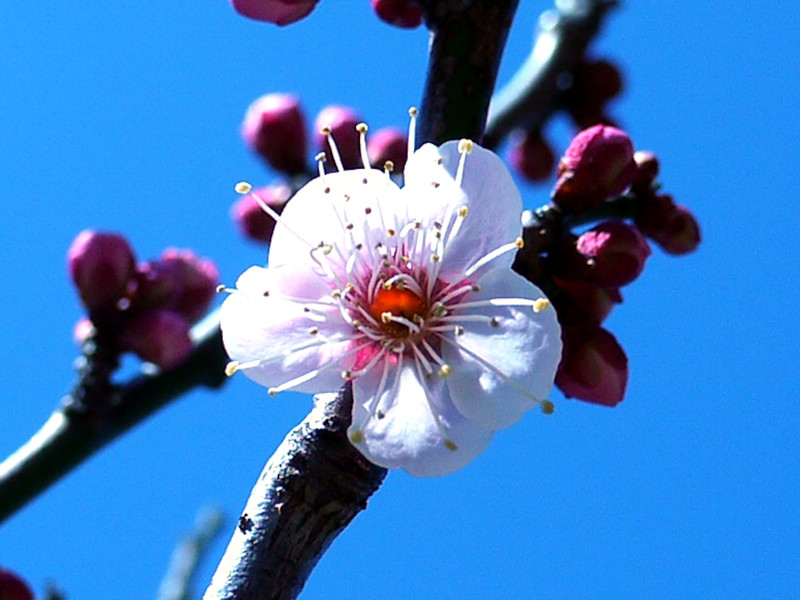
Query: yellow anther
point(356, 436)
point(386, 317)
point(463, 211)
point(325, 130)
point(231, 367)
point(243, 187)
point(321, 157)
point(389, 166)
point(362, 128)
point(313, 330)
point(465, 146)
point(220, 288)
point(272, 392)
point(445, 370)
point(547, 407)
point(412, 111)
point(450, 445)
point(519, 243)
point(347, 374)
point(540, 304)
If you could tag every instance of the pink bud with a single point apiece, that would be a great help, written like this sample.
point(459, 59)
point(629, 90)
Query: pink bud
point(532, 157)
point(587, 302)
point(593, 366)
point(596, 82)
point(13, 587)
point(100, 265)
point(598, 164)
point(274, 127)
point(342, 122)
point(200, 278)
point(280, 12)
point(672, 227)
point(158, 336)
point(251, 219)
point(616, 253)
point(401, 13)
point(388, 144)
point(158, 284)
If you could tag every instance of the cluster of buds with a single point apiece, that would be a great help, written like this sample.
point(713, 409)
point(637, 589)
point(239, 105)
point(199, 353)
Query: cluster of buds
point(13, 587)
point(145, 308)
point(274, 127)
point(401, 13)
point(600, 176)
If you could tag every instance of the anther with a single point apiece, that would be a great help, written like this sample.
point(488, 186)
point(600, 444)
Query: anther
point(243, 187)
point(321, 157)
point(463, 211)
point(459, 330)
point(540, 304)
point(221, 288)
point(313, 330)
point(519, 243)
point(386, 317)
point(231, 368)
point(362, 128)
point(547, 407)
point(466, 146)
point(445, 370)
point(494, 322)
point(450, 445)
point(272, 392)
point(356, 436)
point(347, 374)
point(388, 166)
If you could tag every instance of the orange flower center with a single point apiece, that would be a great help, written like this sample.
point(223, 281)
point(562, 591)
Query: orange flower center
point(399, 303)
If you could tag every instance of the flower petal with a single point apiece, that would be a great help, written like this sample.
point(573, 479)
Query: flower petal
point(318, 213)
point(407, 436)
point(277, 332)
point(525, 347)
point(488, 191)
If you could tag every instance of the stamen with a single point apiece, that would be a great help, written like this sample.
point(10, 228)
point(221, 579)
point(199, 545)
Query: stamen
point(337, 159)
point(412, 131)
point(540, 304)
point(487, 258)
point(271, 212)
point(243, 187)
point(362, 128)
point(547, 407)
point(464, 147)
point(450, 444)
point(231, 368)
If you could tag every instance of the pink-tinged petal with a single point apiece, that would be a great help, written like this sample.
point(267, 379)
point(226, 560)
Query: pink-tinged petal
point(407, 436)
point(487, 190)
point(288, 340)
point(280, 12)
point(524, 346)
point(321, 209)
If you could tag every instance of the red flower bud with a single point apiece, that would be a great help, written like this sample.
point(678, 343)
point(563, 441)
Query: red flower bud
point(401, 13)
point(388, 144)
point(280, 12)
point(647, 167)
point(616, 253)
point(672, 227)
point(585, 302)
point(274, 127)
point(342, 122)
point(532, 157)
point(249, 217)
point(597, 164)
point(199, 282)
point(593, 366)
point(13, 587)
point(100, 265)
point(158, 336)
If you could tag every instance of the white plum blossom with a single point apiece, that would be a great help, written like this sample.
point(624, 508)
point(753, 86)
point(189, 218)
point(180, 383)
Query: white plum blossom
point(407, 293)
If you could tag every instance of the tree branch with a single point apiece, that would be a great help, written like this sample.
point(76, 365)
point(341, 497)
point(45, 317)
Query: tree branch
point(76, 430)
point(533, 94)
point(309, 491)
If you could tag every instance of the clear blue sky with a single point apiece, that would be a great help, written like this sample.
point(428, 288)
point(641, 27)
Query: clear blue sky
point(126, 118)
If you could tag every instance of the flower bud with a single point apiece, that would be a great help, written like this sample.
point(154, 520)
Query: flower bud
point(100, 265)
point(593, 366)
point(616, 253)
point(342, 122)
point(583, 302)
point(158, 336)
point(672, 227)
point(280, 12)
point(596, 82)
point(13, 587)
point(250, 218)
point(200, 277)
point(646, 170)
point(388, 144)
point(158, 284)
point(532, 157)
point(274, 127)
point(401, 13)
point(597, 164)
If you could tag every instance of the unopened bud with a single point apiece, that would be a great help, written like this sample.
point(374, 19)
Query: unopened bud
point(597, 164)
point(274, 127)
point(158, 336)
point(200, 279)
point(583, 302)
point(401, 13)
point(672, 227)
point(100, 265)
point(251, 219)
point(13, 587)
point(616, 253)
point(341, 121)
point(532, 157)
point(280, 12)
point(389, 144)
point(593, 366)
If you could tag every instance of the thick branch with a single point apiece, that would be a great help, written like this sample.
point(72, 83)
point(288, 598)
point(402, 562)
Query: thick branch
point(468, 41)
point(309, 491)
point(75, 431)
point(532, 95)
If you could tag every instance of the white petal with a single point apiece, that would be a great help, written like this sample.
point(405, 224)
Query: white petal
point(273, 329)
point(488, 191)
point(407, 436)
point(317, 216)
point(525, 347)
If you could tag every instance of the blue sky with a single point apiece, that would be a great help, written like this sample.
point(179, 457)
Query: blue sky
point(127, 119)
